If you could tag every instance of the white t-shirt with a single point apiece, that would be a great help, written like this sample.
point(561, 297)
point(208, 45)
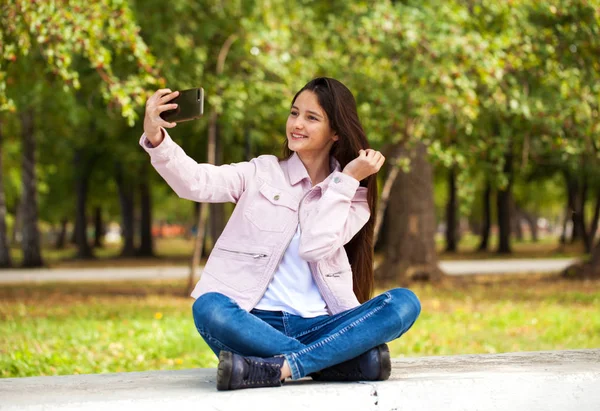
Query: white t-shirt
point(293, 288)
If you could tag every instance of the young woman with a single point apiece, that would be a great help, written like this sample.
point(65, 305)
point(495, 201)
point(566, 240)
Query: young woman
point(285, 291)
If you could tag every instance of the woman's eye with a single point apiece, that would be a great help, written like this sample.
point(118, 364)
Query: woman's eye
point(312, 118)
point(293, 113)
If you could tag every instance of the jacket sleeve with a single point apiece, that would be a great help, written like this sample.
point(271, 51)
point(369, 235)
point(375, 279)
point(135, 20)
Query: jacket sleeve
point(340, 213)
point(198, 182)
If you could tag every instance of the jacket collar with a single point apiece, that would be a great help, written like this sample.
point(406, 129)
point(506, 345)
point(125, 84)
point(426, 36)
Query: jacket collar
point(297, 172)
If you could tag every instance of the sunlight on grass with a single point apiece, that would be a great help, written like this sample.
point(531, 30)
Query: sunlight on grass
point(70, 328)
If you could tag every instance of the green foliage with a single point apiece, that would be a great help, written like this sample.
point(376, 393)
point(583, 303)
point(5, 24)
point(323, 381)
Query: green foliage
point(103, 33)
point(473, 80)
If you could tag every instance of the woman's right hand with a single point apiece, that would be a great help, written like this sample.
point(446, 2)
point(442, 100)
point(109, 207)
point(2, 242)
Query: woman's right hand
point(155, 105)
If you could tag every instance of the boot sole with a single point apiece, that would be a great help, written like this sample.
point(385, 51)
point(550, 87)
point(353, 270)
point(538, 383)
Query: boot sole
point(386, 362)
point(224, 371)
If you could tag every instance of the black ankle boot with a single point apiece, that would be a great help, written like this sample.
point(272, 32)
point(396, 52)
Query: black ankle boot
point(237, 372)
point(374, 365)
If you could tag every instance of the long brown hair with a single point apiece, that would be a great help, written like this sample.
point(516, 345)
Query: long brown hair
point(340, 106)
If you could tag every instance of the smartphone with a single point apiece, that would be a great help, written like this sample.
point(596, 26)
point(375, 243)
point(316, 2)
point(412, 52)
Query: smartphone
point(190, 106)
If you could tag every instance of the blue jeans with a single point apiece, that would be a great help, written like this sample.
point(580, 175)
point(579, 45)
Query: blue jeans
point(308, 344)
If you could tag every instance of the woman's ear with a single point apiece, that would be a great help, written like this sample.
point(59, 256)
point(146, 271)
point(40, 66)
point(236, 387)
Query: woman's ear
point(335, 137)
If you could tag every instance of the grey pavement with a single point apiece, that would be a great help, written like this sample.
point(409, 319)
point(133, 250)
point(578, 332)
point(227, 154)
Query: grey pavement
point(8, 276)
point(528, 381)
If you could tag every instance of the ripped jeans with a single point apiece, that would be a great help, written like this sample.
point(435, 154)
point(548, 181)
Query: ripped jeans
point(308, 344)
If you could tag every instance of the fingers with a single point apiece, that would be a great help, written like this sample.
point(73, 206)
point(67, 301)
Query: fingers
point(380, 162)
point(165, 107)
point(168, 96)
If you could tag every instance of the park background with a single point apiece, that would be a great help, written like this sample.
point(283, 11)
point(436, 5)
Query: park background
point(487, 113)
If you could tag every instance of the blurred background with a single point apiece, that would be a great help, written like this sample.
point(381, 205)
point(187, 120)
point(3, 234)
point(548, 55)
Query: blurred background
point(487, 113)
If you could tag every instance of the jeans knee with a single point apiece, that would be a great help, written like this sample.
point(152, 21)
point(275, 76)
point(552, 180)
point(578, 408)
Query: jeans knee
point(406, 305)
point(208, 310)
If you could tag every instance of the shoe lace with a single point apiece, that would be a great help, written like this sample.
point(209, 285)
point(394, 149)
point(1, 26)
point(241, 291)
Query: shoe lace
point(260, 372)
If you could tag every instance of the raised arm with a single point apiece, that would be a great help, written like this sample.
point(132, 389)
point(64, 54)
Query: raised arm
point(340, 213)
point(198, 182)
point(342, 210)
point(190, 180)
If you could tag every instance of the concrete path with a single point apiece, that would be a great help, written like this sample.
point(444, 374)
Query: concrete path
point(552, 380)
point(166, 272)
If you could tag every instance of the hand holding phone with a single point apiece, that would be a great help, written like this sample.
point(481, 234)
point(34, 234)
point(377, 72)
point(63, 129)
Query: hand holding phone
point(190, 106)
point(165, 108)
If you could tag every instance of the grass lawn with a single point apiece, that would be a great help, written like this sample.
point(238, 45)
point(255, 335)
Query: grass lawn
point(70, 328)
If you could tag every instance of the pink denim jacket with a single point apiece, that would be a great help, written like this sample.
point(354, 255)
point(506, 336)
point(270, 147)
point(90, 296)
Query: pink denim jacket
point(270, 204)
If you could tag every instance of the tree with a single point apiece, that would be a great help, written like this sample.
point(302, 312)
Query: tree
point(51, 39)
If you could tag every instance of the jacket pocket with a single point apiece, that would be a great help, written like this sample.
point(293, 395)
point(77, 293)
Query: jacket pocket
point(272, 209)
point(239, 267)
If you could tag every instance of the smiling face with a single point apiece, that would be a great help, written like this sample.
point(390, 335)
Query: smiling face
point(308, 129)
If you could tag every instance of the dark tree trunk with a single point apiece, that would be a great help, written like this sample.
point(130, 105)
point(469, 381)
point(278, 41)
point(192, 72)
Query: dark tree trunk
point(573, 193)
point(14, 238)
point(84, 251)
point(579, 215)
point(515, 221)
point(594, 222)
point(61, 239)
point(99, 230)
point(409, 250)
point(503, 205)
point(126, 201)
point(32, 255)
point(567, 217)
point(5, 260)
point(217, 210)
point(486, 218)
point(451, 211)
point(146, 242)
point(588, 269)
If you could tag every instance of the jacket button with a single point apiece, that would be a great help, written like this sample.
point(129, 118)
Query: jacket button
point(276, 197)
point(336, 180)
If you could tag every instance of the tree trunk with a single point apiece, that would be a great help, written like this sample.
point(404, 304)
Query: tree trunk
point(587, 270)
point(382, 205)
point(126, 202)
point(32, 255)
point(146, 242)
point(451, 211)
point(573, 193)
point(84, 251)
point(16, 230)
point(579, 215)
point(486, 223)
point(61, 239)
point(515, 221)
point(594, 222)
point(409, 251)
point(503, 204)
point(5, 260)
point(566, 219)
point(99, 229)
point(217, 210)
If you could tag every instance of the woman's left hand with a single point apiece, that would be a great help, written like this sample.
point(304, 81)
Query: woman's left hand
point(368, 162)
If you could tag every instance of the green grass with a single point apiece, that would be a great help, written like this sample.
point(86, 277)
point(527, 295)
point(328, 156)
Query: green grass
point(70, 328)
